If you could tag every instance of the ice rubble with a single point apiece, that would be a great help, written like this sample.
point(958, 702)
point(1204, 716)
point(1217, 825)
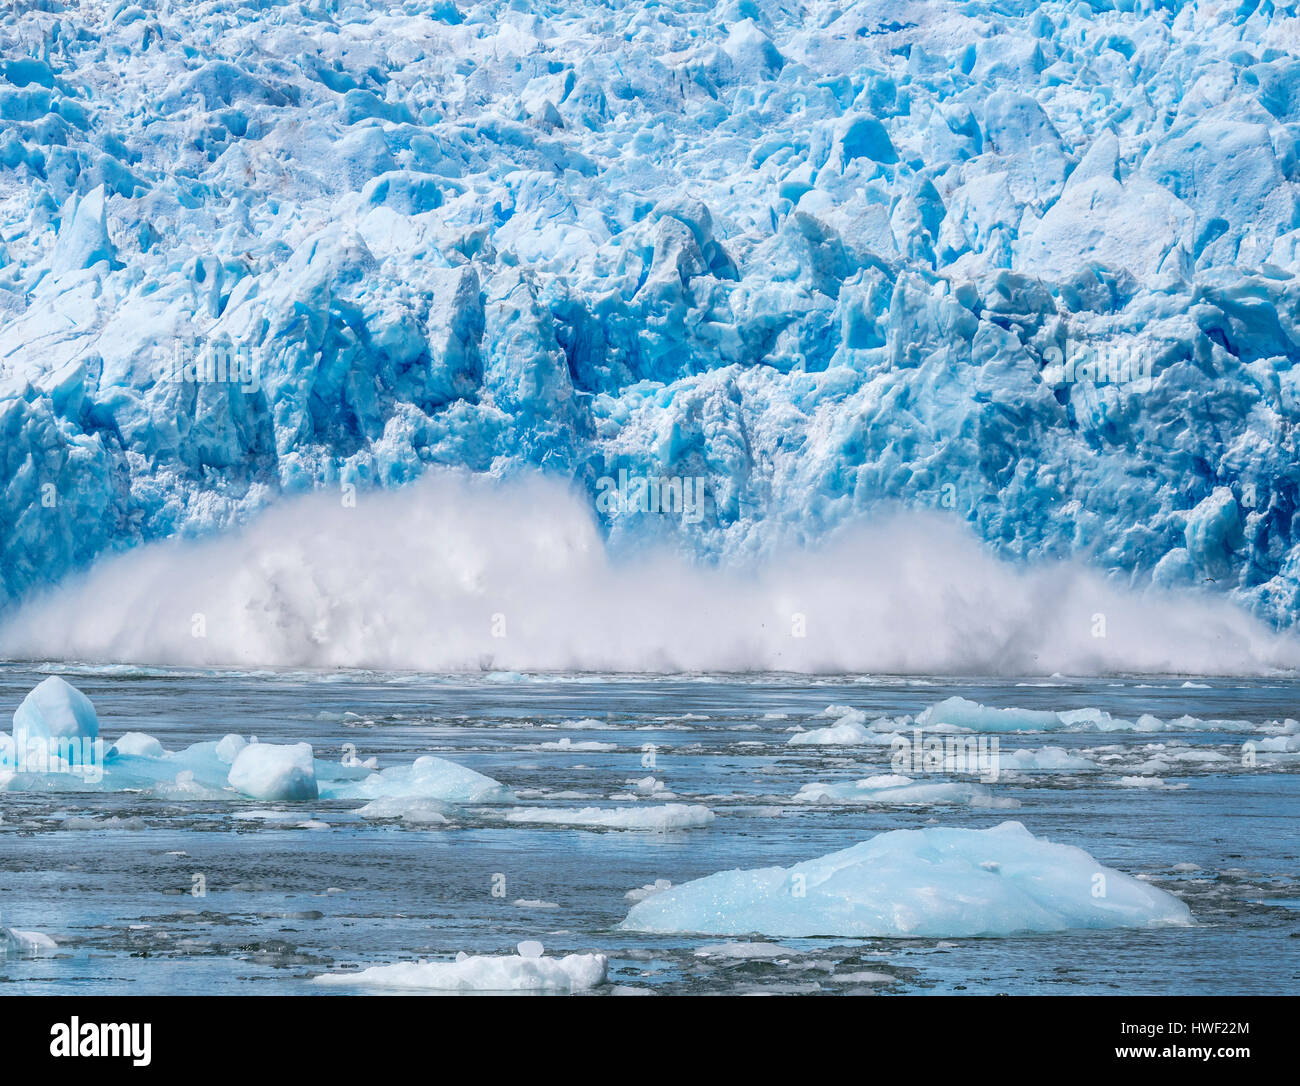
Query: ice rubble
point(930, 883)
point(822, 259)
point(528, 971)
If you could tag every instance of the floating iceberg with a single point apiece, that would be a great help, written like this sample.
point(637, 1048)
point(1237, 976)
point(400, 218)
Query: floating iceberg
point(931, 883)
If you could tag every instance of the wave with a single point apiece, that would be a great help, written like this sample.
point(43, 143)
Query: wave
point(457, 573)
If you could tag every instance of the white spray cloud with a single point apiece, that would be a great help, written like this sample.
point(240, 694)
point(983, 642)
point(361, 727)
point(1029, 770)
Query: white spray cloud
point(452, 574)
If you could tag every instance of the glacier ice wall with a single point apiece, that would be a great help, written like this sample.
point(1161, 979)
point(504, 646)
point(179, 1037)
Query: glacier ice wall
point(1031, 266)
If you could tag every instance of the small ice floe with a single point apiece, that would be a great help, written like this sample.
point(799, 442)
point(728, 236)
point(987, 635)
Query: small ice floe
point(980, 718)
point(930, 883)
point(589, 746)
point(527, 971)
point(1157, 783)
point(746, 951)
point(1044, 759)
point(896, 790)
point(669, 816)
point(413, 809)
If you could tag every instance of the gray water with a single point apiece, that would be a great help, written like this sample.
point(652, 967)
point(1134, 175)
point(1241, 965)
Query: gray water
point(284, 904)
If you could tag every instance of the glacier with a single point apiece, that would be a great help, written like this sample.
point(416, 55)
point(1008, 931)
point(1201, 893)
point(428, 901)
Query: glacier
point(1031, 267)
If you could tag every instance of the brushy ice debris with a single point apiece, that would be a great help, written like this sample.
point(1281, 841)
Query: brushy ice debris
point(824, 261)
point(931, 883)
point(55, 709)
point(892, 789)
point(525, 972)
point(669, 816)
point(272, 771)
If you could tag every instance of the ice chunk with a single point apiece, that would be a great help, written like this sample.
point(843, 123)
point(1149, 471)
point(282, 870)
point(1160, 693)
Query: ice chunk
point(271, 771)
point(488, 973)
point(56, 709)
point(931, 883)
